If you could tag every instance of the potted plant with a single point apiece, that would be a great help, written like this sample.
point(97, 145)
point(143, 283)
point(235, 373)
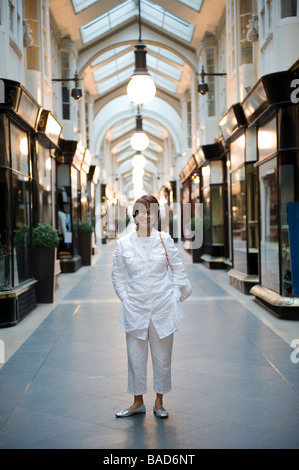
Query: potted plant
point(85, 231)
point(45, 241)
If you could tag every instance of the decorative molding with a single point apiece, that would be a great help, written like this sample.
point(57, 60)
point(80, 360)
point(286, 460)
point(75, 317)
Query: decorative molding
point(252, 29)
point(267, 41)
point(27, 38)
point(15, 47)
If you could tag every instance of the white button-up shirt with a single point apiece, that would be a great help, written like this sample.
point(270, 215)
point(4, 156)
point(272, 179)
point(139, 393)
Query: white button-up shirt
point(141, 281)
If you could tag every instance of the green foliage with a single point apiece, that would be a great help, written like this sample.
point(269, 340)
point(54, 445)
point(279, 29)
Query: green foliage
point(45, 236)
point(22, 236)
point(195, 222)
point(85, 227)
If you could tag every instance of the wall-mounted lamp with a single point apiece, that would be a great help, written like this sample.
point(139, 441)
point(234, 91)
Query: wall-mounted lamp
point(203, 87)
point(76, 92)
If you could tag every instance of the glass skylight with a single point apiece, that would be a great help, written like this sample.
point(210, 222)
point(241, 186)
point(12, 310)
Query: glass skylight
point(164, 83)
point(123, 128)
point(163, 67)
point(80, 5)
point(165, 53)
point(113, 67)
point(166, 20)
point(126, 10)
point(107, 21)
point(108, 55)
point(194, 4)
point(122, 145)
point(115, 80)
point(153, 129)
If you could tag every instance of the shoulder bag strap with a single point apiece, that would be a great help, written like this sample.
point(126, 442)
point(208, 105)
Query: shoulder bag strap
point(164, 248)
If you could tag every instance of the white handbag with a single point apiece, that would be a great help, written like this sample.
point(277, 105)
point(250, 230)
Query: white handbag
point(186, 289)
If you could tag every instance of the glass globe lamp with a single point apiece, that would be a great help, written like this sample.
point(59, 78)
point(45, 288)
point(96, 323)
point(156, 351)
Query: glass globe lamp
point(138, 161)
point(141, 89)
point(139, 140)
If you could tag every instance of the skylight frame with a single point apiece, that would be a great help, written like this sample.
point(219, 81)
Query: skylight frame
point(107, 21)
point(166, 54)
point(166, 20)
point(163, 67)
point(85, 4)
point(108, 55)
point(164, 83)
point(190, 4)
point(115, 81)
point(114, 67)
point(151, 12)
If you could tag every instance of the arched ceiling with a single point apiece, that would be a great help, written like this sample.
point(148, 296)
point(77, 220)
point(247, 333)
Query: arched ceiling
point(104, 33)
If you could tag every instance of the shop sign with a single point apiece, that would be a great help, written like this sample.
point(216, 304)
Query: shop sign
point(28, 109)
point(188, 168)
point(78, 156)
point(11, 94)
point(255, 103)
point(270, 92)
point(86, 161)
point(49, 129)
point(232, 121)
point(20, 101)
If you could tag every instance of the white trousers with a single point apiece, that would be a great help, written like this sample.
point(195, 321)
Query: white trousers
point(161, 351)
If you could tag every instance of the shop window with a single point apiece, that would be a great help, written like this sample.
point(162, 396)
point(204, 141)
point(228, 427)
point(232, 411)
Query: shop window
point(65, 92)
point(21, 203)
point(269, 245)
point(266, 16)
point(11, 13)
point(238, 152)
point(189, 124)
point(239, 220)
point(45, 186)
point(207, 215)
point(288, 8)
point(87, 123)
point(217, 214)
point(252, 219)
point(75, 195)
point(211, 81)
point(19, 150)
point(267, 139)
point(287, 185)
point(21, 226)
point(5, 233)
point(246, 46)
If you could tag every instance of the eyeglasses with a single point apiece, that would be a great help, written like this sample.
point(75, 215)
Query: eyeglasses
point(145, 212)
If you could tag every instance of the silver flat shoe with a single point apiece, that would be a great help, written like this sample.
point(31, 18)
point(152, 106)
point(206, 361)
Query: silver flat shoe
point(127, 413)
point(160, 413)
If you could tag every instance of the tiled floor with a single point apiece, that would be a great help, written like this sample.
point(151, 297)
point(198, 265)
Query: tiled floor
point(234, 384)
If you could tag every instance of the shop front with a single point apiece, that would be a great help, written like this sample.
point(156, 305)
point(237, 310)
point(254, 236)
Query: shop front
point(190, 194)
point(92, 181)
point(44, 174)
point(19, 116)
point(243, 197)
point(214, 199)
point(70, 156)
point(269, 109)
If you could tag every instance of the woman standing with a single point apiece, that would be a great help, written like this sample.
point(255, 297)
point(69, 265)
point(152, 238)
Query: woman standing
point(151, 310)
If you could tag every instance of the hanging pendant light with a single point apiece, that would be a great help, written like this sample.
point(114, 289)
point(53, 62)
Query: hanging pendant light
point(138, 161)
point(139, 140)
point(141, 87)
